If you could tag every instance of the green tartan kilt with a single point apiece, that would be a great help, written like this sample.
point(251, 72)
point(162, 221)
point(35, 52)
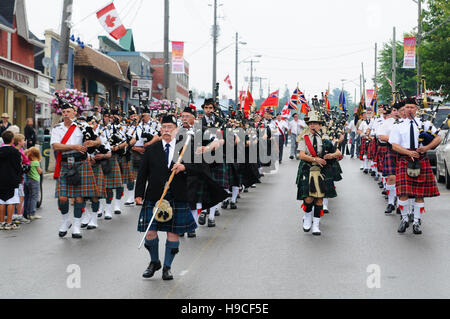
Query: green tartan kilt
point(100, 180)
point(303, 181)
point(219, 172)
point(125, 171)
point(114, 179)
point(88, 187)
point(234, 175)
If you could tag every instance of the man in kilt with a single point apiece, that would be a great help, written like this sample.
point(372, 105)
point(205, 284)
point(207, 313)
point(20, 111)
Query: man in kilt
point(414, 176)
point(388, 157)
point(157, 165)
point(363, 130)
point(378, 121)
point(315, 177)
point(73, 174)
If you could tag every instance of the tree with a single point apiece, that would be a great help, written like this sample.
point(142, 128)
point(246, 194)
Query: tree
point(435, 47)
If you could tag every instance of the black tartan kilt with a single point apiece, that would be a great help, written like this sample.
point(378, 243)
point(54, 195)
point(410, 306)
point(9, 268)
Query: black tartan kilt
point(235, 176)
point(219, 172)
point(182, 221)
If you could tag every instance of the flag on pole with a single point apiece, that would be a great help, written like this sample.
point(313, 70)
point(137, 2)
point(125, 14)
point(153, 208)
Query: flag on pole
point(327, 101)
point(109, 19)
point(248, 102)
point(342, 102)
point(389, 81)
point(293, 102)
point(286, 112)
point(374, 102)
point(272, 100)
point(228, 81)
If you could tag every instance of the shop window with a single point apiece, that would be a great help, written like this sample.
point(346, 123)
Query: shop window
point(2, 99)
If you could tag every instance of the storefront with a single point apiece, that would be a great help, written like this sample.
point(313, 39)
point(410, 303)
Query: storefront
point(19, 92)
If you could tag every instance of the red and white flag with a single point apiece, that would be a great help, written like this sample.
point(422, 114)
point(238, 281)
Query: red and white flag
point(228, 81)
point(109, 19)
point(286, 112)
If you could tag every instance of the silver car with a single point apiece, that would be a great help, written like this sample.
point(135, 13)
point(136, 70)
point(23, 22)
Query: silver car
point(443, 161)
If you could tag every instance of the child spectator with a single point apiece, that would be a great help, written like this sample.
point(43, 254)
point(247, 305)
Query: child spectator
point(32, 183)
point(11, 173)
point(19, 143)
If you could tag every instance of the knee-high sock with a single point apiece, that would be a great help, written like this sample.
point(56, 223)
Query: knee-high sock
point(78, 209)
point(318, 211)
point(197, 212)
point(109, 196)
point(63, 207)
point(130, 185)
point(153, 248)
point(171, 251)
point(95, 206)
point(419, 209)
point(119, 193)
point(325, 203)
point(392, 193)
point(212, 212)
point(235, 193)
point(403, 205)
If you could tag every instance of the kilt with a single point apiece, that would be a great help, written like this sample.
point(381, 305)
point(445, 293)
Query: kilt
point(422, 186)
point(88, 187)
point(381, 153)
point(181, 222)
point(363, 148)
point(234, 175)
point(303, 181)
point(219, 172)
point(99, 179)
point(114, 179)
point(390, 163)
point(125, 171)
point(372, 150)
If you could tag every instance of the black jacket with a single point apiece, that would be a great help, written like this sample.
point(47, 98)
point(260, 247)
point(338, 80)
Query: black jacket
point(10, 171)
point(153, 170)
point(30, 136)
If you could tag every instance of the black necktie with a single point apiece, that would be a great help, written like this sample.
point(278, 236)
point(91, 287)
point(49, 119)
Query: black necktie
point(412, 143)
point(315, 143)
point(167, 150)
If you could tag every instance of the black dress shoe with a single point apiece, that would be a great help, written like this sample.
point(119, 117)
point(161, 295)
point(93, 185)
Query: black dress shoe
point(99, 215)
point(91, 227)
point(366, 171)
point(117, 212)
point(403, 225)
point(201, 219)
point(380, 185)
point(167, 274)
point(384, 192)
point(77, 236)
point(416, 229)
point(246, 190)
point(181, 235)
point(291, 157)
point(399, 212)
point(192, 234)
point(211, 223)
point(217, 213)
point(151, 269)
point(225, 204)
point(411, 218)
point(389, 209)
point(326, 211)
point(233, 205)
point(84, 225)
point(372, 174)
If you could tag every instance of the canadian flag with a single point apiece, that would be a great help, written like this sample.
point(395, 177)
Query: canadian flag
point(109, 19)
point(286, 112)
point(228, 81)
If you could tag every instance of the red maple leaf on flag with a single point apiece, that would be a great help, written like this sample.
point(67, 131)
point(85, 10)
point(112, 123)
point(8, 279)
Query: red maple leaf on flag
point(110, 21)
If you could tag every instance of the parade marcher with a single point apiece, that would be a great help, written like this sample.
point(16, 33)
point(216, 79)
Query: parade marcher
point(73, 174)
point(414, 176)
point(363, 131)
point(280, 135)
point(296, 126)
point(157, 165)
point(315, 176)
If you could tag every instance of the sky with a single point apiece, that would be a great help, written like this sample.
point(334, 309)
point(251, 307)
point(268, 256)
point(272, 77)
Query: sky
point(312, 43)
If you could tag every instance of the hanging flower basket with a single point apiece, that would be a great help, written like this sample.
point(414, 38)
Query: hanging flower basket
point(74, 97)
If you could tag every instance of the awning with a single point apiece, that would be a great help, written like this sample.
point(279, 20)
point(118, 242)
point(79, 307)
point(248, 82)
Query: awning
point(39, 94)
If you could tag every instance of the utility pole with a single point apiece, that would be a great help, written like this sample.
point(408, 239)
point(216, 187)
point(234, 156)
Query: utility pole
point(63, 61)
point(419, 39)
point(375, 76)
point(394, 63)
point(166, 48)
point(363, 83)
point(214, 48)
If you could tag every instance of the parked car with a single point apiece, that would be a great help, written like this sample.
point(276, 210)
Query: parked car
point(441, 115)
point(443, 161)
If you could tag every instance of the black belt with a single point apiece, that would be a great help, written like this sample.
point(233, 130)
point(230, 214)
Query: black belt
point(384, 144)
point(76, 157)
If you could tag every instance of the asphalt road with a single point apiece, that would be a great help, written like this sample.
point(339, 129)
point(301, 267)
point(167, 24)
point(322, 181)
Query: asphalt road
point(257, 251)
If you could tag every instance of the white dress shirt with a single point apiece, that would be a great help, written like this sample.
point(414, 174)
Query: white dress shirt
point(400, 132)
point(59, 131)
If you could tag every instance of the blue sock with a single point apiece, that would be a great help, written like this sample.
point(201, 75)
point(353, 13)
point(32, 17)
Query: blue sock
point(130, 186)
point(119, 193)
point(63, 207)
point(171, 251)
point(95, 206)
point(153, 248)
point(109, 196)
point(78, 209)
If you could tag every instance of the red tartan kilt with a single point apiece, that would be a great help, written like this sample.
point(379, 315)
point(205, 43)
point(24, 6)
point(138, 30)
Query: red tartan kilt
point(381, 152)
point(390, 163)
point(363, 148)
point(125, 170)
point(100, 180)
point(88, 187)
point(422, 186)
point(114, 179)
point(371, 152)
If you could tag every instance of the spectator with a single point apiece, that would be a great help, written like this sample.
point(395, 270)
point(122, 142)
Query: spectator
point(30, 133)
point(5, 123)
point(19, 143)
point(32, 183)
point(14, 128)
point(11, 173)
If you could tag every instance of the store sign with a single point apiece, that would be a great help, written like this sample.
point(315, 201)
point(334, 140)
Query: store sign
point(144, 85)
point(15, 74)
